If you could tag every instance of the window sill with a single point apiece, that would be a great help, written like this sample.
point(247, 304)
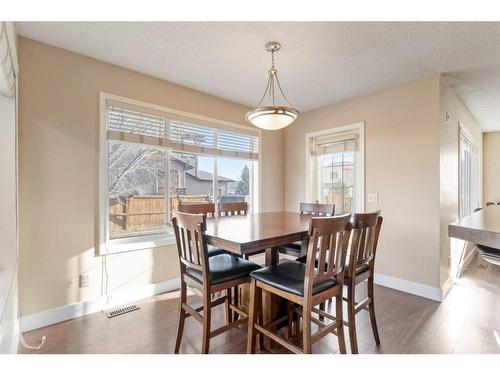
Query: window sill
point(138, 243)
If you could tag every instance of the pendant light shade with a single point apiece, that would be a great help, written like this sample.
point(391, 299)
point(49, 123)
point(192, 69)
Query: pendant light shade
point(272, 116)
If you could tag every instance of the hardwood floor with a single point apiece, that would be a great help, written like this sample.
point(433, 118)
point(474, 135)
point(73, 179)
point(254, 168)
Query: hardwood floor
point(467, 321)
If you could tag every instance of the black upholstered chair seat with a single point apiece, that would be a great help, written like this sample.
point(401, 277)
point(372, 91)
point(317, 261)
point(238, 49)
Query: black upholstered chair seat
point(224, 267)
point(289, 277)
point(212, 251)
point(359, 269)
point(293, 246)
point(489, 250)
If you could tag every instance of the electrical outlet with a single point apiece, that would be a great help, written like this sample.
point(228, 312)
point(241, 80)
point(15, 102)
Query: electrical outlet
point(84, 280)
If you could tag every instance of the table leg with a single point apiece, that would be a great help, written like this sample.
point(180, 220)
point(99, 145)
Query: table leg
point(271, 304)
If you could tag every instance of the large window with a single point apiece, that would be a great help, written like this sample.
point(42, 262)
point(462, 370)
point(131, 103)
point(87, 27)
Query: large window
point(469, 174)
point(336, 168)
point(152, 160)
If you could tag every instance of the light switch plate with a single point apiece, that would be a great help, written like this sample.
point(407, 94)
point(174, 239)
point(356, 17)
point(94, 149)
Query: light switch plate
point(372, 197)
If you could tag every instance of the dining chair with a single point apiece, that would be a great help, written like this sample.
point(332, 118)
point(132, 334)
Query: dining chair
point(313, 209)
point(206, 275)
point(317, 209)
point(361, 263)
point(207, 209)
point(233, 208)
point(305, 286)
point(361, 267)
point(198, 208)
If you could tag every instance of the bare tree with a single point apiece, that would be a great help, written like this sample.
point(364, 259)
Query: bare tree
point(135, 169)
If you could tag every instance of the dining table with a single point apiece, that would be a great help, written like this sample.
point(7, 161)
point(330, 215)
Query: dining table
point(481, 227)
point(257, 233)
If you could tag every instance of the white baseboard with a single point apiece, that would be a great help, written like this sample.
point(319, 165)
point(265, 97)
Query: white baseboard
point(411, 287)
point(75, 310)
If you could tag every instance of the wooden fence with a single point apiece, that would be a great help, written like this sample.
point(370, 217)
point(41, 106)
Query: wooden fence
point(136, 214)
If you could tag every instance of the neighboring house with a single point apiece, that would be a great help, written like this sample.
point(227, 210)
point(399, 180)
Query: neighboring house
point(186, 178)
point(141, 172)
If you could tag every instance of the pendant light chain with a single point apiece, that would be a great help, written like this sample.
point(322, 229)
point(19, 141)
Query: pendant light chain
point(273, 116)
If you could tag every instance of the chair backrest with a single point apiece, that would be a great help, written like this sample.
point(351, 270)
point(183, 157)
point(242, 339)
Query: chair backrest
point(317, 209)
point(490, 204)
point(233, 208)
point(366, 229)
point(191, 241)
point(208, 209)
point(326, 255)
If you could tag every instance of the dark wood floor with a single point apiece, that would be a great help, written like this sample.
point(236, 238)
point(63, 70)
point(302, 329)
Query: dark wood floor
point(467, 321)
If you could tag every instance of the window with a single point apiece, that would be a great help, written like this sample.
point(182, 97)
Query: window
point(206, 161)
point(469, 174)
point(336, 168)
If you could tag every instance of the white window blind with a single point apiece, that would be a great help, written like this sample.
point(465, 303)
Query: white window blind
point(172, 131)
point(7, 73)
point(469, 175)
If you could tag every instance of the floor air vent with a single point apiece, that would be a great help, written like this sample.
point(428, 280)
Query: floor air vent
point(122, 310)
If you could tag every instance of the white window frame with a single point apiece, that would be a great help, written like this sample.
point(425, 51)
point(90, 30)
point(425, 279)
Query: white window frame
point(311, 183)
point(464, 133)
point(106, 246)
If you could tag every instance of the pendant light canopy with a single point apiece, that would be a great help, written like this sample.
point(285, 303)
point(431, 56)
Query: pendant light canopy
point(270, 116)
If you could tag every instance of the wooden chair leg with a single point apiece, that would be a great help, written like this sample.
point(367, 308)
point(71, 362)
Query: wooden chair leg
point(322, 307)
point(340, 329)
point(229, 311)
point(236, 293)
point(306, 330)
point(182, 317)
point(289, 328)
point(351, 315)
point(260, 315)
point(207, 315)
point(252, 318)
point(371, 309)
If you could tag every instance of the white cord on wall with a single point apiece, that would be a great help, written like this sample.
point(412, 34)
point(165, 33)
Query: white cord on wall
point(105, 281)
point(26, 346)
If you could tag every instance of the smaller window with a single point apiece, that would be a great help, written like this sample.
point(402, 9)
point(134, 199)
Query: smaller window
point(336, 168)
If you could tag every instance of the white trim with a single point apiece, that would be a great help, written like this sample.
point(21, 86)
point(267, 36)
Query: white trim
point(75, 310)
point(448, 284)
point(360, 163)
point(411, 287)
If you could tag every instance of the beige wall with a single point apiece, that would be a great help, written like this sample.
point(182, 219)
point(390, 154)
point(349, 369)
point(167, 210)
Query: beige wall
point(58, 163)
point(449, 102)
point(491, 167)
point(402, 166)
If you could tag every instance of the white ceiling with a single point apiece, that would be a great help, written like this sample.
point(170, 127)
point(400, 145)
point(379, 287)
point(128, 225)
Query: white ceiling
point(319, 63)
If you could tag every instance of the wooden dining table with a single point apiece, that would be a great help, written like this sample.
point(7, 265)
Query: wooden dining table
point(256, 233)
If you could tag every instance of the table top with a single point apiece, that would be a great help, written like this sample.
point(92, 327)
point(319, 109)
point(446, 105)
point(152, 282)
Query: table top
point(245, 234)
point(482, 227)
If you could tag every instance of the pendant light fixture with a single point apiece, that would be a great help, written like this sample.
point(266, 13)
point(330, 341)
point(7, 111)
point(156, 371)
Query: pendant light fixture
point(268, 115)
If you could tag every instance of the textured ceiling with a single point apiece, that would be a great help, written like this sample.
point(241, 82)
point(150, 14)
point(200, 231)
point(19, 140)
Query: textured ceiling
point(319, 63)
